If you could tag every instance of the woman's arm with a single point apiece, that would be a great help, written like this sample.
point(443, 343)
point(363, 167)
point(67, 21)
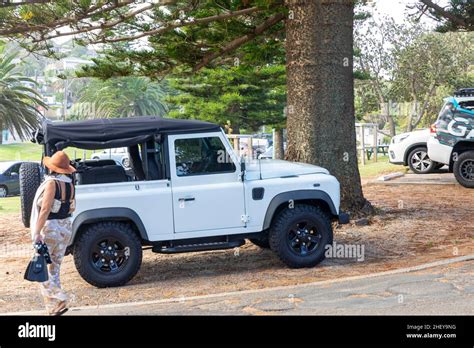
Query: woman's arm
point(48, 198)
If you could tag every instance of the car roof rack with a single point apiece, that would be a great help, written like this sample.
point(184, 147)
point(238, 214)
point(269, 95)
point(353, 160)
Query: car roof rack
point(464, 92)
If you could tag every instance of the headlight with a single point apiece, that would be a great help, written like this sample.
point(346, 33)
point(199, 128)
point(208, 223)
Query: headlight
point(399, 138)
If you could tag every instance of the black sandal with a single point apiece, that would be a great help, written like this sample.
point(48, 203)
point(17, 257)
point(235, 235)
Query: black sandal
point(60, 309)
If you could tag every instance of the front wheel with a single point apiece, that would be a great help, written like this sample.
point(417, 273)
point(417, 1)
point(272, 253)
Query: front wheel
point(464, 169)
point(299, 236)
point(108, 254)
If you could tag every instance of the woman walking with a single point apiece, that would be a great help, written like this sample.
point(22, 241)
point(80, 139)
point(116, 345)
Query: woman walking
point(51, 224)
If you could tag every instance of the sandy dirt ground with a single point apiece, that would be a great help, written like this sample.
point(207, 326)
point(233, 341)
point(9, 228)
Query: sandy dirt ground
point(414, 225)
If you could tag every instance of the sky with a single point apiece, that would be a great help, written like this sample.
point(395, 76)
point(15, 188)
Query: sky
point(398, 8)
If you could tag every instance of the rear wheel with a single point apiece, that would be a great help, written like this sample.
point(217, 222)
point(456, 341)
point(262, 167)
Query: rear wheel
point(30, 180)
point(464, 169)
point(299, 236)
point(108, 254)
point(419, 162)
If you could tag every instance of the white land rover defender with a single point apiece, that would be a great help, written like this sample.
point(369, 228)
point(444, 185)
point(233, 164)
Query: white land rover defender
point(188, 192)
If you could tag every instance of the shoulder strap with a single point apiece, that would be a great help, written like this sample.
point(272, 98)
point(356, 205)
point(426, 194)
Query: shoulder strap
point(73, 193)
point(57, 188)
point(62, 185)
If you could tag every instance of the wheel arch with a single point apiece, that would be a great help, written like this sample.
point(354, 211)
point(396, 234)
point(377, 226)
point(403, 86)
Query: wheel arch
point(410, 149)
point(110, 214)
point(312, 197)
point(459, 148)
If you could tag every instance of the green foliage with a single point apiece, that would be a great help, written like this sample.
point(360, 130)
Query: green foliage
point(122, 97)
point(242, 96)
point(180, 51)
point(19, 101)
point(431, 61)
point(408, 64)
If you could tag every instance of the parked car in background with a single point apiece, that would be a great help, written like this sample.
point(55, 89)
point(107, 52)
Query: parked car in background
point(9, 178)
point(268, 154)
point(119, 155)
point(452, 136)
point(410, 149)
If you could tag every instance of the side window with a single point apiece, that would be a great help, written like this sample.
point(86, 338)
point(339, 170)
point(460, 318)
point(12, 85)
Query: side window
point(14, 169)
point(198, 156)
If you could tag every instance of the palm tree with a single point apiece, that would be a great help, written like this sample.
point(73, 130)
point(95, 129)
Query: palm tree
point(123, 97)
point(18, 103)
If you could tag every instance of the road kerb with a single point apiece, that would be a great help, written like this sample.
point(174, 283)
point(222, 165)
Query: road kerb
point(254, 291)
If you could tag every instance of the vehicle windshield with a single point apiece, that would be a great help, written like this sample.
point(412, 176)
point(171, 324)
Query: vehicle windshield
point(446, 114)
point(4, 166)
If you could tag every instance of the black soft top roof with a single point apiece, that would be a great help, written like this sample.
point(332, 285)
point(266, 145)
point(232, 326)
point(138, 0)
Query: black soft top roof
point(115, 132)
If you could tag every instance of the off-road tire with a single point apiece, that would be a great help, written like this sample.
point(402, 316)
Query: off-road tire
point(464, 161)
point(412, 161)
point(30, 180)
point(90, 237)
point(281, 226)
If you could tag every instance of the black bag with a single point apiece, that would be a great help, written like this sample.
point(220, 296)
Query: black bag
point(37, 270)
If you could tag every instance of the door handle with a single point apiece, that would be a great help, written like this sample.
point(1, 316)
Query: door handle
point(187, 199)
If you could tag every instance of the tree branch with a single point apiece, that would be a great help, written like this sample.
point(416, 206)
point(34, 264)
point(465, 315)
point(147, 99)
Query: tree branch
point(234, 44)
point(94, 10)
point(443, 13)
point(106, 25)
point(180, 24)
point(384, 133)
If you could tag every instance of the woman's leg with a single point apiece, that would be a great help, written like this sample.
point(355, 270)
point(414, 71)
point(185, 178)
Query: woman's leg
point(56, 235)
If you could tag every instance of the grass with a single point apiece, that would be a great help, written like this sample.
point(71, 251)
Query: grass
point(382, 166)
point(32, 152)
point(20, 152)
point(9, 205)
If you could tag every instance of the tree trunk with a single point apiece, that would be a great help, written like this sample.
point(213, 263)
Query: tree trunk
point(389, 118)
point(1, 132)
point(320, 105)
point(278, 148)
point(413, 112)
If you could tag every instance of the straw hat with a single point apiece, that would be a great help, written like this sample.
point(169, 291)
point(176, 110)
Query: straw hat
point(59, 163)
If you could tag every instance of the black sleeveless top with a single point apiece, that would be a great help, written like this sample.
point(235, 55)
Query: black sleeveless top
point(64, 198)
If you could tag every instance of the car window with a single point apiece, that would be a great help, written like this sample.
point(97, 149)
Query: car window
point(469, 105)
point(197, 156)
point(15, 168)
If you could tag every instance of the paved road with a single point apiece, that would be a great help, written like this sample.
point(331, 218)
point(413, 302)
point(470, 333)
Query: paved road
point(445, 290)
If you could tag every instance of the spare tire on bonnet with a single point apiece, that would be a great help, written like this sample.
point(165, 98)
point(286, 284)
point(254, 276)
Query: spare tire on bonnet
point(30, 180)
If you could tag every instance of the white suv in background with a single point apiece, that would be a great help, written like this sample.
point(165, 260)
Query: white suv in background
point(410, 149)
point(119, 154)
